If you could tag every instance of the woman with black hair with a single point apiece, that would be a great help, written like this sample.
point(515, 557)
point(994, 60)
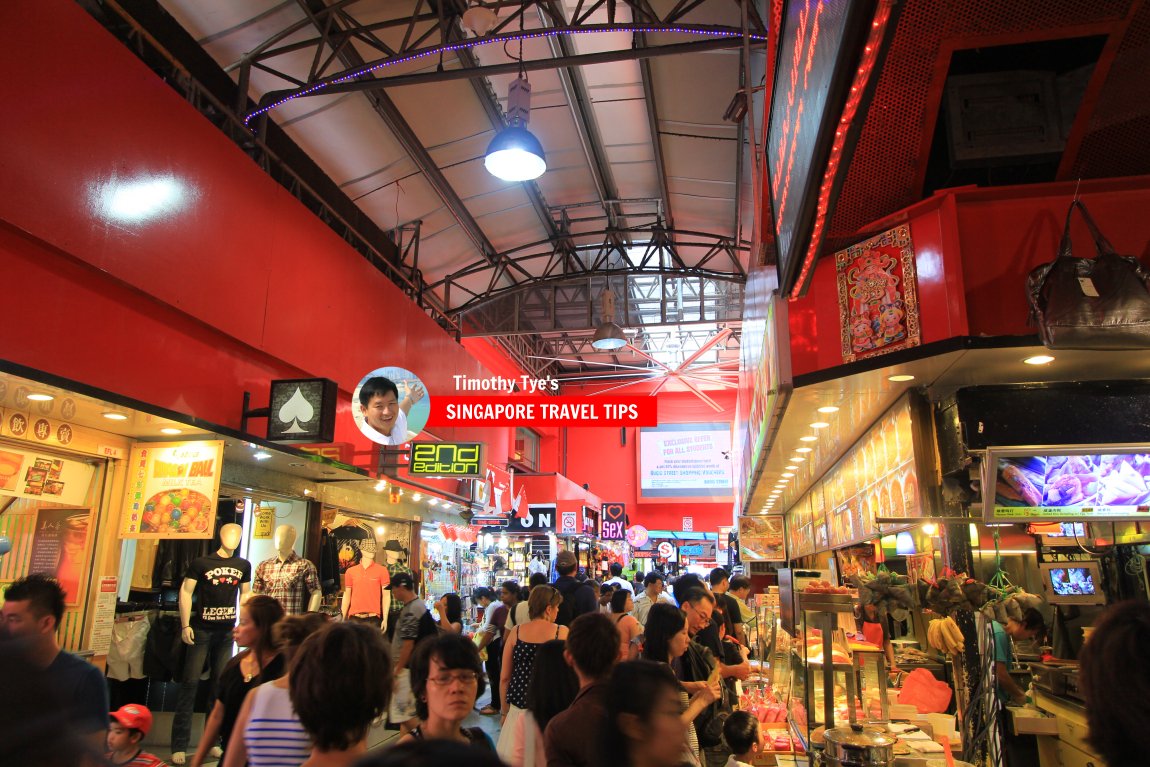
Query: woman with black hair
point(644, 727)
point(1115, 679)
point(622, 603)
point(665, 640)
point(552, 687)
point(450, 611)
point(446, 680)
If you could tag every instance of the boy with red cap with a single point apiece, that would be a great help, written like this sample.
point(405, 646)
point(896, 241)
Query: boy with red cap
point(130, 723)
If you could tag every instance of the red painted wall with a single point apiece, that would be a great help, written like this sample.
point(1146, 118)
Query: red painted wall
point(973, 251)
point(234, 286)
point(598, 457)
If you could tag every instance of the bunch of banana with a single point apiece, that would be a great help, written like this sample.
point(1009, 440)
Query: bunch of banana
point(943, 634)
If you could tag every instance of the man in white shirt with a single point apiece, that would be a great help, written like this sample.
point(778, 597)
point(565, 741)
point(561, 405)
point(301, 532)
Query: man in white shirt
point(653, 591)
point(617, 580)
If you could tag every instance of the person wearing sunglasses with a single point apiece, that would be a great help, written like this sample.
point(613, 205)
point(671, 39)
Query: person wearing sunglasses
point(446, 681)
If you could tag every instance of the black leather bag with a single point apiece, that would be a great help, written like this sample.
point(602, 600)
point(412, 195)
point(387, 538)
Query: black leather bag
point(1091, 303)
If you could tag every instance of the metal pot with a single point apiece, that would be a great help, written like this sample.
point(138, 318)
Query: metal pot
point(856, 746)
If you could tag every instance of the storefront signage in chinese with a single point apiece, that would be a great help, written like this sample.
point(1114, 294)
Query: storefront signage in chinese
point(446, 459)
point(172, 490)
point(878, 304)
point(302, 410)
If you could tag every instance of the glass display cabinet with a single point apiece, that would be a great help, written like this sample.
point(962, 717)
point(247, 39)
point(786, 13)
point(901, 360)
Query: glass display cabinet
point(832, 681)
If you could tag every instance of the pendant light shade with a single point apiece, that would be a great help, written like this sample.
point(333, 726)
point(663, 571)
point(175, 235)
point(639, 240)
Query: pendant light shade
point(904, 545)
point(515, 155)
point(609, 337)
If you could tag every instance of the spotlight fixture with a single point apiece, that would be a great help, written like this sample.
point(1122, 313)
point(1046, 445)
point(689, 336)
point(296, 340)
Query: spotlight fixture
point(803, 449)
point(261, 455)
point(796, 458)
point(828, 409)
point(900, 378)
point(170, 430)
point(737, 109)
point(608, 336)
point(41, 397)
point(112, 415)
point(819, 425)
point(515, 154)
point(1038, 359)
point(788, 474)
point(791, 468)
point(808, 438)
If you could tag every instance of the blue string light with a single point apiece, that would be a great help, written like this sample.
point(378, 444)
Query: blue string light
point(476, 43)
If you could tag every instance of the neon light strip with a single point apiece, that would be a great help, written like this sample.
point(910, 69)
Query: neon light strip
point(862, 76)
point(476, 43)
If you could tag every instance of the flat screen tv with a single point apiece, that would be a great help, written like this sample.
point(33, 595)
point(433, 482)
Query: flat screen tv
point(1067, 483)
point(1072, 583)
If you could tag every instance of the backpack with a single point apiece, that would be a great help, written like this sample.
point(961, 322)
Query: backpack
point(567, 606)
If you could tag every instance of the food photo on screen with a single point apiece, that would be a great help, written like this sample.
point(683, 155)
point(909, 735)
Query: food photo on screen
point(1071, 581)
point(1074, 480)
point(390, 406)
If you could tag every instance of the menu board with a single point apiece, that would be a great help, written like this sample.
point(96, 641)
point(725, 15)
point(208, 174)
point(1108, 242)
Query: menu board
point(1069, 484)
point(761, 539)
point(32, 475)
point(172, 490)
point(875, 478)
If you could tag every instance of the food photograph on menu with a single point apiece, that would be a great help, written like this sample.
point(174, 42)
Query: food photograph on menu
point(1099, 484)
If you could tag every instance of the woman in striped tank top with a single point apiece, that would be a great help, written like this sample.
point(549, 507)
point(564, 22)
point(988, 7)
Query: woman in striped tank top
point(272, 735)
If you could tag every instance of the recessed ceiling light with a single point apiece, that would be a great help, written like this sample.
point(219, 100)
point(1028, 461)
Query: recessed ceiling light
point(791, 468)
point(819, 425)
point(171, 430)
point(788, 475)
point(262, 455)
point(808, 438)
point(797, 458)
point(803, 449)
point(248, 489)
point(828, 409)
point(111, 416)
point(433, 501)
point(900, 378)
point(1037, 359)
point(416, 496)
point(41, 397)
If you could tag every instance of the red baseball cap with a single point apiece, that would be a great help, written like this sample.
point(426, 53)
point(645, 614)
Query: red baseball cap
point(134, 717)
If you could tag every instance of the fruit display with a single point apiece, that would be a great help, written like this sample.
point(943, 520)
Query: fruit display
point(1011, 603)
point(943, 634)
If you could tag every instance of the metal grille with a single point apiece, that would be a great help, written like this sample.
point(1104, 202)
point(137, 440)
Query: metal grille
point(886, 165)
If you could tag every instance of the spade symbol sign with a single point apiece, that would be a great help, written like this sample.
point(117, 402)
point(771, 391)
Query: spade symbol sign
point(295, 410)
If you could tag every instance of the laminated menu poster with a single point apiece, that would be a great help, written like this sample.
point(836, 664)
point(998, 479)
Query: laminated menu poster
point(761, 539)
point(33, 475)
point(60, 546)
point(172, 490)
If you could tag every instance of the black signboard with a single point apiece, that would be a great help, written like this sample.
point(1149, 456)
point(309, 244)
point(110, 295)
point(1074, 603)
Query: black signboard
point(302, 410)
point(613, 522)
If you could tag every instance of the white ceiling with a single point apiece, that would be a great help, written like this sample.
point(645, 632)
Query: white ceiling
point(352, 144)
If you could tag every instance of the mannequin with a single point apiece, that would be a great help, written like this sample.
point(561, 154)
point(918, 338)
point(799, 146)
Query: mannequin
point(210, 595)
point(365, 595)
point(287, 577)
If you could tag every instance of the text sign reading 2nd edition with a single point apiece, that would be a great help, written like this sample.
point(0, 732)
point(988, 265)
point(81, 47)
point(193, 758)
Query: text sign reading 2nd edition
point(544, 411)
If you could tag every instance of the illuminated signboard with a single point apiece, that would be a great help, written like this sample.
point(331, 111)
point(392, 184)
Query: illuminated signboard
point(1091, 483)
point(819, 47)
point(446, 459)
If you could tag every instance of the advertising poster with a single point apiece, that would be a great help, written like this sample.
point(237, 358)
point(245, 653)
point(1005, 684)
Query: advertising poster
point(761, 539)
point(59, 545)
point(27, 474)
point(172, 489)
point(1087, 486)
point(687, 461)
point(878, 308)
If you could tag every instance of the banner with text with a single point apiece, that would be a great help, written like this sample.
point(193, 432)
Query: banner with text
point(543, 411)
point(172, 490)
point(686, 461)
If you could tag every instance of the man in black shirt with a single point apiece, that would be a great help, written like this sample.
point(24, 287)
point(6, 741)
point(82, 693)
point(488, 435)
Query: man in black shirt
point(578, 598)
point(33, 609)
point(727, 605)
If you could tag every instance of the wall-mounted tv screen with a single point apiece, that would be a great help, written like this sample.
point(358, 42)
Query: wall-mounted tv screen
point(1066, 583)
point(1048, 484)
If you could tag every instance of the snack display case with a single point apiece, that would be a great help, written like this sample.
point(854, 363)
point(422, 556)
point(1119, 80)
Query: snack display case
point(850, 687)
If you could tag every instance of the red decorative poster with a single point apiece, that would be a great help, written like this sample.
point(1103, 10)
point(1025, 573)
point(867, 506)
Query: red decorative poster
point(878, 306)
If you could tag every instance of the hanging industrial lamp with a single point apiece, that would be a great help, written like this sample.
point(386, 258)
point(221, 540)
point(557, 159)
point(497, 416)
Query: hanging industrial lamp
point(515, 154)
point(608, 336)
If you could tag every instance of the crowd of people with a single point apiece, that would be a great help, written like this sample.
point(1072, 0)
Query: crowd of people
point(579, 674)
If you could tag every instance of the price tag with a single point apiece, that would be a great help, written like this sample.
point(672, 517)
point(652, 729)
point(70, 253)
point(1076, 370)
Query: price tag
point(1087, 286)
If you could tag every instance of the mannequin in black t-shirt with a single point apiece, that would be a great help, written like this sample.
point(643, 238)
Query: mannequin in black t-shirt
point(213, 588)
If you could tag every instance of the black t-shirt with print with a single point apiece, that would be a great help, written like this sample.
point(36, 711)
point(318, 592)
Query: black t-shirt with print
point(218, 582)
